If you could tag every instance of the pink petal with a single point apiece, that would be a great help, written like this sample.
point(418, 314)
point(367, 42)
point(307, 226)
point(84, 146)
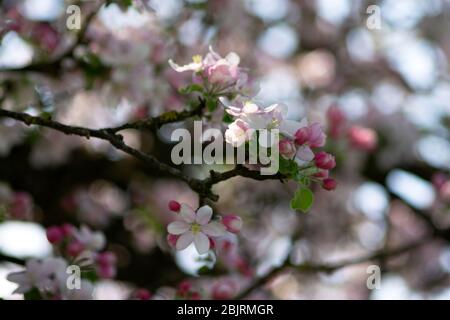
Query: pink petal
point(204, 214)
point(214, 229)
point(187, 213)
point(184, 240)
point(201, 242)
point(290, 127)
point(305, 153)
point(178, 227)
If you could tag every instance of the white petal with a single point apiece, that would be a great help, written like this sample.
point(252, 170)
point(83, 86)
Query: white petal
point(201, 242)
point(184, 240)
point(178, 227)
point(187, 213)
point(193, 66)
point(214, 229)
point(204, 214)
point(290, 127)
point(305, 153)
point(233, 58)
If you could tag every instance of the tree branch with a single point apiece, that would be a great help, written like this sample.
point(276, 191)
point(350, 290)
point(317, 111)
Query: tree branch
point(6, 258)
point(329, 267)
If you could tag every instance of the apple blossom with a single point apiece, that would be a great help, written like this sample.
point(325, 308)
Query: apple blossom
point(232, 223)
point(174, 206)
point(287, 148)
point(40, 274)
point(220, 75)
point(224, 290)
point(195, 227)
point(362, 138)
point(324, 160)
point(54, 234)
point(90, 239)
point(329, 184)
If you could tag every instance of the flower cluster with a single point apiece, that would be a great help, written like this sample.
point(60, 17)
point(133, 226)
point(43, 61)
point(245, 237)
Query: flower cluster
point(219, 76)
point(297, 139)
point(16, 205)
point(196, 227)
point(48, 278)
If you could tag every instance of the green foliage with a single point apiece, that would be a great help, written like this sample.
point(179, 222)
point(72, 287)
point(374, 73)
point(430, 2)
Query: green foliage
point(33, 294)
point(191, 88)
point(303, 199)
point(288, 167)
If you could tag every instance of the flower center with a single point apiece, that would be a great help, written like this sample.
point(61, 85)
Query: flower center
point(196, 228)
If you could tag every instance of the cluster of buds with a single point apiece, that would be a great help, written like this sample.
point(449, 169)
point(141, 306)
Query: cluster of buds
point(83, 246)
point(196, 226)
point(358, 137)
point(16, 205)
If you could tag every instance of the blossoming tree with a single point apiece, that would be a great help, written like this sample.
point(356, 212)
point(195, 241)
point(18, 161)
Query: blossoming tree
point(88, 118)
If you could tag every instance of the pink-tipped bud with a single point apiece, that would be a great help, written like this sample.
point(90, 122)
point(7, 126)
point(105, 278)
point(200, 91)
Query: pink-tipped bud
point(143, 294)
point(336, 121)
point(172, 240)
point(195, 296)
point(174, 206)
point(329, 184)
point(322, 174)
point(68, 229)
point(302, 136)
point(287, 148)
point(184, 287)
point(324, 160)
point(54, 234)
point(316, 136)
point(106, 258)
point(75, 248)
point(232, 223)
point(212, 243)
point(106, 272)
point(362, 138)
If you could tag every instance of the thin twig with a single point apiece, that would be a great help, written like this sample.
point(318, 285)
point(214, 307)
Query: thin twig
point(328, 267)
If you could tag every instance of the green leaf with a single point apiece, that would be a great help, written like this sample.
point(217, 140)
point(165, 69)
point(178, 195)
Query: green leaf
point(191, 88)
point(227, 118)
point(288, 167)
point(211, 104)
point(303, 200)
point(33, 294)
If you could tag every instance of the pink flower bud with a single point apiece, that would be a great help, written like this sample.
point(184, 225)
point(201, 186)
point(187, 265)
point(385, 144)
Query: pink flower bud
point(302, 136)
point(195, 296)
point(362, 138)
point(322, 174)
point(75, 248)
point(172, 240)
point(184, 287)
point(316, 136)
point(336, 120)
point(438, 180)
point(324, 160)
point(223, 290)
point(67, 229)
point(174, 206)
point(232, 223)
point(54, 234)
point(287, 148)
point(21, 205)
point(106, 272)
point(106, 258)
point(329, 184)
point(143, 294)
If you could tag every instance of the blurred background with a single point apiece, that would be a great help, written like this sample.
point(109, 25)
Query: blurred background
point(373, 73)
